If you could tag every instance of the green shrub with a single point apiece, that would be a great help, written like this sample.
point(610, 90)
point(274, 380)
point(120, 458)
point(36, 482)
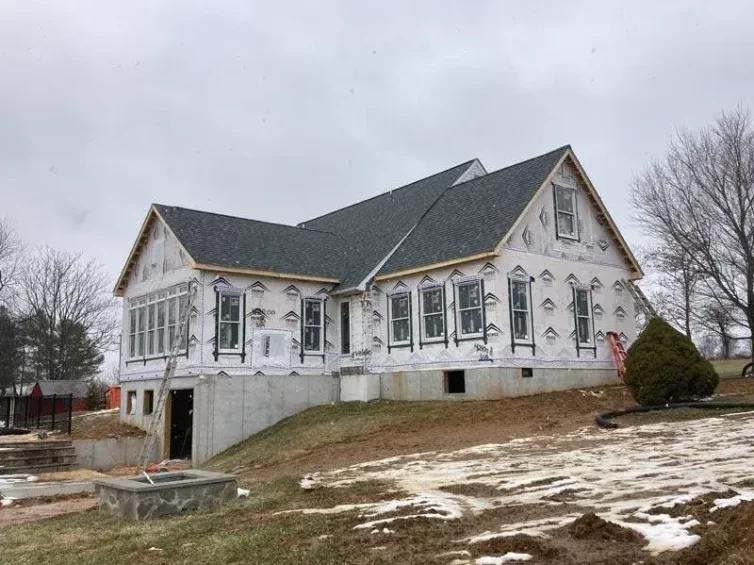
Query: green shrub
point(663, 366)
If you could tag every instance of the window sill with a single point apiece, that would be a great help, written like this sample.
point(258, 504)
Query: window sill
point(430, 340)
point(155, 358)
point(574, 238)
point(470, 337)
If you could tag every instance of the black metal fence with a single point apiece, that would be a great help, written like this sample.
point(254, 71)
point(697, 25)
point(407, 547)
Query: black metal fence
point(36, 412)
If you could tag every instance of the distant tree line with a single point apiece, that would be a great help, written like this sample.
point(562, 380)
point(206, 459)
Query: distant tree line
point(697, 205)
point(57, 314)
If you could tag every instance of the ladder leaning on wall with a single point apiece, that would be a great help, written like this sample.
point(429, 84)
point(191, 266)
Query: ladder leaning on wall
point(155, 425)
point(616, 345)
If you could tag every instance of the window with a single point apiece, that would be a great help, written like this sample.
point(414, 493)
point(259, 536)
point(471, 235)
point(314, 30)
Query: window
point(151, 322)
point(583, 317)
point(527, 372)
point(131, 403)
point(345, 327)
point(140, 324)
point(565, 208)
point(400, 318)
point(230, 322)
point(148, 402)
point(470, 307)
point(433, 313)
point(312, 325)
point(520, 310)
point(148, 319)
point(455, 382)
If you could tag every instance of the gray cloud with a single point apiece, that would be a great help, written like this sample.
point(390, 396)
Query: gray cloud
point(286, 112)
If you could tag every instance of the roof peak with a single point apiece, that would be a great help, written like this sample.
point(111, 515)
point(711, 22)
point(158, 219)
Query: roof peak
point(465, 163)
point(519, 163)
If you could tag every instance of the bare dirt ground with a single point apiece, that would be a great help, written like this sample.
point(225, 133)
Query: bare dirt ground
point(319, 443)
point(101, 425)
point(36, 509)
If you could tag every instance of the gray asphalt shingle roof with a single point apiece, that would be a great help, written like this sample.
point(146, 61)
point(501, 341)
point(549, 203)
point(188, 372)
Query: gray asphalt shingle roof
point(472, 217)
point(63, 388)
point(372, 228)
point(228, 241)
point(448, 222)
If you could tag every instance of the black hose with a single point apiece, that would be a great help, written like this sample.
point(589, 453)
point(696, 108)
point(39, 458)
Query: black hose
point(603, 420)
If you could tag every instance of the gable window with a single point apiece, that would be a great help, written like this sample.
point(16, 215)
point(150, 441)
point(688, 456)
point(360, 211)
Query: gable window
point(400, 318)
point(583, 317)
point(520, 310)
point(345, 327)
point(470, 308)
point(230, 321)
point(433, 313)
point(565, 211)
point(313, 325)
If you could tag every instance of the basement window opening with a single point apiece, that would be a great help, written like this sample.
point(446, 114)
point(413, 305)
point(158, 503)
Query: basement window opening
point(455, 382)
point(527, 372)
point(148, 402)
point(131, 403)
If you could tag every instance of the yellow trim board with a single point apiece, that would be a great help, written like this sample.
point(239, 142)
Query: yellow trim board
point(485, 255)
point(255, 272)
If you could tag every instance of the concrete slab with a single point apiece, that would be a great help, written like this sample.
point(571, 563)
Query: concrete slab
point(35, 490)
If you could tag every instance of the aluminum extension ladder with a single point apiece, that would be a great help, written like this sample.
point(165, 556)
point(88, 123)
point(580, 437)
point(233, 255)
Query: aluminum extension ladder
point(155, 425)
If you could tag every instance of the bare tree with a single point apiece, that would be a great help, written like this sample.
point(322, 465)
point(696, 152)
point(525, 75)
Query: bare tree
point(70, 314)
point(677, 285)
point(11, 250)
point(716, 318)
point(699, 201)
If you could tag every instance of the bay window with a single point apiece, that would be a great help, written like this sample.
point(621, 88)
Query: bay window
point(148, 319)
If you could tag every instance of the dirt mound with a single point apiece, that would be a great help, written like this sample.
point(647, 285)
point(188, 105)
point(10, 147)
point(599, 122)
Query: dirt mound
point(592, 527)
point(519, 544)
point(730, 541)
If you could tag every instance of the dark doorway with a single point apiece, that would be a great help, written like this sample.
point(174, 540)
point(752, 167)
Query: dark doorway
point(181, 423)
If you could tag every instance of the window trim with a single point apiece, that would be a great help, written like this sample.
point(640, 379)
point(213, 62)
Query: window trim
point(530, 311)
point(221, 322)
point(323, 318)
point(391, 343)
point(479, 281)
point(423, 339)
point(241, 350)
point(575, 213)
point(591, 345)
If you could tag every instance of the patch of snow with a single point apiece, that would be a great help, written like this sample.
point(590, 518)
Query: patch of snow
point(7, 501)
point(732, 501)
point(154, 549)
point(664, 534)
point(324, 536)
point(309, 482)
point(387, 531)
point(510, 556)
point(461, 552)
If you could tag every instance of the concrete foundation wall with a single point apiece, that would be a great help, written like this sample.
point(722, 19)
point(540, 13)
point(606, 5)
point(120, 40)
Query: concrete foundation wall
point(490, 384)
point(104, 454)
point(359, 387)
point(228, 409)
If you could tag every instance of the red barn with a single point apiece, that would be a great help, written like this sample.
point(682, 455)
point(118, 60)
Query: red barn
point(62, 389)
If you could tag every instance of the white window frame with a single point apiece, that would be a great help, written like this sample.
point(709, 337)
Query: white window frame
point(425, 314)
point(145, 337)
point(558, 212)
point(584, 316)
point(528, 311)
point(392, 319)
point(459, 310)
point(230, 294)
point(320, 325)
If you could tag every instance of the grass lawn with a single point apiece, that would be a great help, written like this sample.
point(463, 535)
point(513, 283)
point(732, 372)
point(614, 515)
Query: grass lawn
point(729, 367)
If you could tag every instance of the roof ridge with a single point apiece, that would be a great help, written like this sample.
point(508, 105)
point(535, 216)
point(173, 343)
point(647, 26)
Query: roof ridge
point(469, 162)
point(561, 148)
point(295, 227)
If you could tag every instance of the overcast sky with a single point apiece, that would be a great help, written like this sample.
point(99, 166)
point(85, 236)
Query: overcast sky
point(285, 112)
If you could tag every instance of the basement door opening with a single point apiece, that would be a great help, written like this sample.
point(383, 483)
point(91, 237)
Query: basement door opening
point(181, 423)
